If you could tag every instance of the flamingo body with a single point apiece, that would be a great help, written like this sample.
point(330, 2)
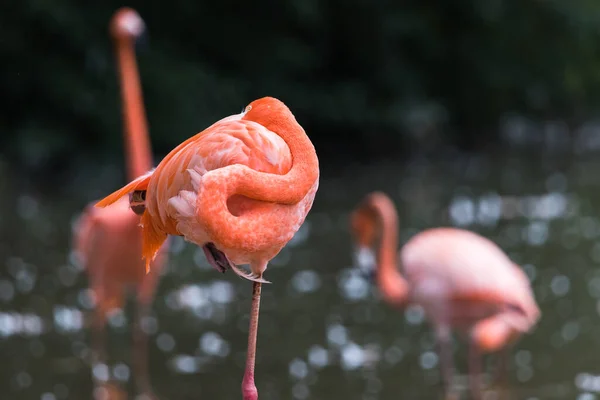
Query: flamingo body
point(195, 191)
point(108, 243)
point(172, 203)
point(462, 281)
point(461, 278)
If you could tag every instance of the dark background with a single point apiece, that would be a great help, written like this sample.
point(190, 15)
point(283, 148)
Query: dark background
point(368, 79)
point(473, 114)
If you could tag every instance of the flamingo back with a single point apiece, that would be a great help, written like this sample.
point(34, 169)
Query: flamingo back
point(108, 243)
point(461, 277)
point(229, 141)
point(233, 185)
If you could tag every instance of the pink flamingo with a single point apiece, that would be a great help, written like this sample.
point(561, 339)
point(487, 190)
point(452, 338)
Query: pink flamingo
point(462, 281)
point(109, 241)
point(240, 189)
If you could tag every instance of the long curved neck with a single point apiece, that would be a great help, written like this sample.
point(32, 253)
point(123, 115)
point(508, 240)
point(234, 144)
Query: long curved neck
point(137, 143)
point(292, 187)
point(383, 214)
point(288, 189)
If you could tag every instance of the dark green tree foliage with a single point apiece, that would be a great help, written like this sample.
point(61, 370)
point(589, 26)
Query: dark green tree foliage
point(361, 75)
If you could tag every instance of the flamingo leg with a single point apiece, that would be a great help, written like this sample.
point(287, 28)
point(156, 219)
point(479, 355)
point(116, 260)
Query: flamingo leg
point(501, 373)
point(140, 351)
point(475, 370)
point(98, 340)
point(446, 363)
point(502, 367)
point(249, 391)
point(140, 338)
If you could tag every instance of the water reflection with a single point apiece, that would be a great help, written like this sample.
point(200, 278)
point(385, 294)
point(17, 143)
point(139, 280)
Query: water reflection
point(324, 331)
point(20, 324)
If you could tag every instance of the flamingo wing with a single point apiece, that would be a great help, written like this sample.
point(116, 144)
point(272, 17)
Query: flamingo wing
point(227, 142)
point(454, 266)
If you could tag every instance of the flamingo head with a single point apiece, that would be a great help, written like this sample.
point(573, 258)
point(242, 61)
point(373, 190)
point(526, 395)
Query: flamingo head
point(270, 113)
point(127, 23)
point(363, 231)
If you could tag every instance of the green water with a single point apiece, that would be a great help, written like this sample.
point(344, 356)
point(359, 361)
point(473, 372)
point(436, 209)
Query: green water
point(324, 333)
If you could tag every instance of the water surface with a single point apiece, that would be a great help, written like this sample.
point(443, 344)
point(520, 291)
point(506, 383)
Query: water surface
point(324, 332)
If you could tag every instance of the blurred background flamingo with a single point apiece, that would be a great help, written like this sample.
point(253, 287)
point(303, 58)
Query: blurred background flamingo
point(109, 241)
point(461, 280)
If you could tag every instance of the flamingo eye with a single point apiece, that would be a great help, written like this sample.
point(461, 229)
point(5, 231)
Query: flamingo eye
point(248, 108)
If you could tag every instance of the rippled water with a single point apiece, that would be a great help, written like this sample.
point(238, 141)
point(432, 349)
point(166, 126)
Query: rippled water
point(324, 333)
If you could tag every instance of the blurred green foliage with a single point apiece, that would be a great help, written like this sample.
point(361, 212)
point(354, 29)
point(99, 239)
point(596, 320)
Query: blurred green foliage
point(361, 75)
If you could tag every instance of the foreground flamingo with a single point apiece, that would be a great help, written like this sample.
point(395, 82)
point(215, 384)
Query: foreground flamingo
point(240, 189)
point(109, 241)
point(462, 280)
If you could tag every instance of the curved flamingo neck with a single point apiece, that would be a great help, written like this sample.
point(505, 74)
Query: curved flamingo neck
point(292, 187)
point(137, 143)
point(380, 211)
point(288, 189)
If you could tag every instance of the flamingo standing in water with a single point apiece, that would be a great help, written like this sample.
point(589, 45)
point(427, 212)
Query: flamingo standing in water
point(462, 281)
point(239, 189)
point(109, 241)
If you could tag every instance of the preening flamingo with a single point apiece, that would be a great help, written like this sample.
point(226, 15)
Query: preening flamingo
point(462, 281)
point(239, 189)
point(109, 241)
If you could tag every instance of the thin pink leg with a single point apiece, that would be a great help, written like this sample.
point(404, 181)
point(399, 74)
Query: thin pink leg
point(501, 373)
point(446, 364)
point(98, 340)
point(475, 371)
point(502, 367)
point(140, 352)
point(249, 391)
point(140, 338)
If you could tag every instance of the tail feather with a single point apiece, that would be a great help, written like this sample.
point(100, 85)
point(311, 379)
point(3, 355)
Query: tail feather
point(153, 239)
point(140, 183)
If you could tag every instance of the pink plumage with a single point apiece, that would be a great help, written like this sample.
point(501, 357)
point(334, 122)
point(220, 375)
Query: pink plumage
point(462, 281)
point(448, 266)
point(240, 189)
